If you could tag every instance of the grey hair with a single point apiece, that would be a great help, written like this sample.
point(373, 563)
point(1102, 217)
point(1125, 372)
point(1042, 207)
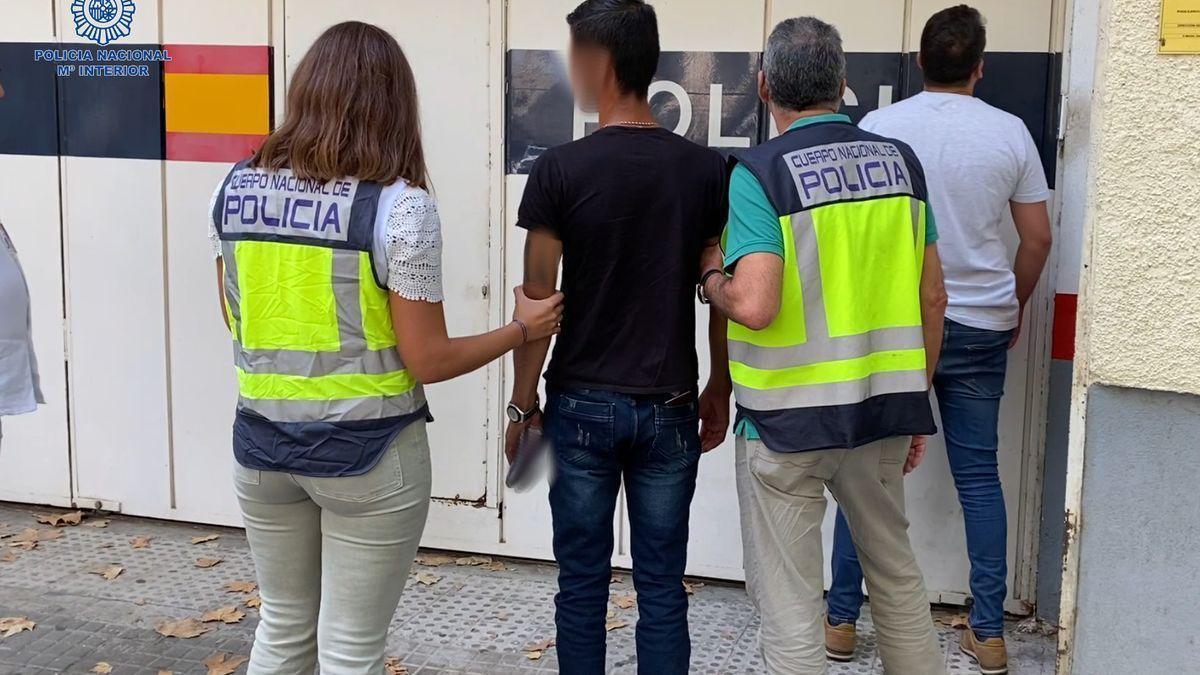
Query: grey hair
point(804, 64)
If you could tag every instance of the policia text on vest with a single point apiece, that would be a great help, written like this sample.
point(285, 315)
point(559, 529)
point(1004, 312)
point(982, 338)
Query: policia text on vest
point(322, 388)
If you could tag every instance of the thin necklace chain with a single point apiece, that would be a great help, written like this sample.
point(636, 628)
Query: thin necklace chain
point(644, 125)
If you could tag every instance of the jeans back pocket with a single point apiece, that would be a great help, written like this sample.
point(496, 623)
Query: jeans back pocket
point(676, 435)
point(581, 431)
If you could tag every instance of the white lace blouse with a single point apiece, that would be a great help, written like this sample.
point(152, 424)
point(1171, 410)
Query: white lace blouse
point(411, 242)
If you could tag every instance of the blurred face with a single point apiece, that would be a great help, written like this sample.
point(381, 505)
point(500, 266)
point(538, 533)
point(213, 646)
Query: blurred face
point(589, 68)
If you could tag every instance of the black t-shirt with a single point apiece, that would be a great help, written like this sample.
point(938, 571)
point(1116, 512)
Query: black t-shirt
point(633, 209)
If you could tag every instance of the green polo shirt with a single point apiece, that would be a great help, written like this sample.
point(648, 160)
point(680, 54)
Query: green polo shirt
point(753, 225)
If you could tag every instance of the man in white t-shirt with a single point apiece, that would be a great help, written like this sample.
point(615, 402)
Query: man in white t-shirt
point(981, 164)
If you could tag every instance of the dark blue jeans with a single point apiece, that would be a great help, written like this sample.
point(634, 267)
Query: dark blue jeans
point(599, 439)
point(969, 383)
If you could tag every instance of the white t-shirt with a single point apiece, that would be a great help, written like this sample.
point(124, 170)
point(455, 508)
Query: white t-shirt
point(977, 159)
point(409, 239)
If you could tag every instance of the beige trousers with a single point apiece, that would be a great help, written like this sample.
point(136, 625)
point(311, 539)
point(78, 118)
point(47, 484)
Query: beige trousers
point(782, 500)
point(332, 556)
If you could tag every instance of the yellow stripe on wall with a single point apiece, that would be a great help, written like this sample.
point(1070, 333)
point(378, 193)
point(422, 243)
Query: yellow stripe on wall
point(218, 104)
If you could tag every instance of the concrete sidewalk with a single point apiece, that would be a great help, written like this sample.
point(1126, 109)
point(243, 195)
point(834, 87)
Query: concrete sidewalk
point(487, 617)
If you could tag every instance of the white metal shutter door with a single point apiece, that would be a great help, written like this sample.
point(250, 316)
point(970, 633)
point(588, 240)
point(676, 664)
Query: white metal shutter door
point(203, 386)
point(112, 220)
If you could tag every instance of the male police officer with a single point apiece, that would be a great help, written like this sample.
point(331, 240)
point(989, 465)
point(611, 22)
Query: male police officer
point(837, 304)
point(982, 163)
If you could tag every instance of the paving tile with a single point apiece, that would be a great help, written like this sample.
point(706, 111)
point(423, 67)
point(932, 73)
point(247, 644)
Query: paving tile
point(472, 621)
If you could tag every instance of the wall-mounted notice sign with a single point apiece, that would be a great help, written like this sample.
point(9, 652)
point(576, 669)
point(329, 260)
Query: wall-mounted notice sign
point(1180, 32)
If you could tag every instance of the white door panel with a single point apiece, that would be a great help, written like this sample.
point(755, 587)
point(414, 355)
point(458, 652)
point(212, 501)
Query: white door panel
point(447, 45)
point(34, 450)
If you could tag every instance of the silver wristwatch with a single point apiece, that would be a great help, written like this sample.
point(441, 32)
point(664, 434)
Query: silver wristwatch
point(516, 415)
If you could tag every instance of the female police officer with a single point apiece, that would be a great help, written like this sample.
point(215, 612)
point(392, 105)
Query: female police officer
point(329, 263)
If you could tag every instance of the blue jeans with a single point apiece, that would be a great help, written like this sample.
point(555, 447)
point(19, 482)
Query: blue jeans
point(600, 438)
point(969, 383)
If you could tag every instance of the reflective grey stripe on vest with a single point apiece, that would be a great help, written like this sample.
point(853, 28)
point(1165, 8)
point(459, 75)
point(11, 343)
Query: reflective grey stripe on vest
point(821, 348)
point(828, 349)
point(836, 393)
point(353, 358)
point(348, 409)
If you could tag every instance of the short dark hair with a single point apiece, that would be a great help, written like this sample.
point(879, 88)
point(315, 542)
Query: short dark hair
point(804, 64)
point(952, 45)
point(628, 29)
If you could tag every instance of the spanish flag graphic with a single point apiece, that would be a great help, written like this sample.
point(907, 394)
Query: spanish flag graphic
point(218, 101)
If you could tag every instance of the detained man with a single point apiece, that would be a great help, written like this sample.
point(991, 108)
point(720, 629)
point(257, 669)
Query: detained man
point(834, 291)
point(627, 211)
point(980, 164)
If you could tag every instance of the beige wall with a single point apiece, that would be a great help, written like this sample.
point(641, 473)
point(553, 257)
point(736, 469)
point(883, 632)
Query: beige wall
point(1140, 314)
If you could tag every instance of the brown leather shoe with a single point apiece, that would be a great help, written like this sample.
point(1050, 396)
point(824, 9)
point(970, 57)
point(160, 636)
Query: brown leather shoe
point(839, 641)
point(990, 654)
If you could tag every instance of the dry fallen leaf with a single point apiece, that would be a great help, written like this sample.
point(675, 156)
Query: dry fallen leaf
point(426, 578)
point(109, 572)
point(102, 668)
point(614, 624)
point(140, 542)
point(207, 537)
point(956, 621)
point(435, 559)
point(166, 672)
point(228, 614)
point(496, 566)
point(61, 519)
point(616, 578)
point(473, 560)
point(534, 651)
point(254, 601)
point(12, 625)
point(223, 664)
point(206, 563)
point(8, 556)
point(690, 586)
point(624, 601)
point(183, 628)
point(502, 615)
point(394, 667)
point(140, 602)
point(29, 538)
point(102, 523)
point(240, 587)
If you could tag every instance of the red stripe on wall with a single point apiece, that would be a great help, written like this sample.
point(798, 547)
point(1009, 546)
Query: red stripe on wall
point(1065, 308)
point(212, 147)
point(218, 59)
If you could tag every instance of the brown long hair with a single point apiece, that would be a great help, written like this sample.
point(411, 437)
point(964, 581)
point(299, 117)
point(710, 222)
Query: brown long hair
point(352, 112)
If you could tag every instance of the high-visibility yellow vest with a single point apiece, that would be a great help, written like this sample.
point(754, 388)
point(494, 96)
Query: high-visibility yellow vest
point(843, 363)
point(314, 346)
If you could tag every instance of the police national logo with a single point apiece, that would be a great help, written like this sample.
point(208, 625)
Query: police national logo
point(841, 172)
point(103, 21)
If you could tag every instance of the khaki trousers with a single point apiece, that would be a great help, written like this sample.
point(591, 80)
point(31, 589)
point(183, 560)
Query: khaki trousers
point(782, 501)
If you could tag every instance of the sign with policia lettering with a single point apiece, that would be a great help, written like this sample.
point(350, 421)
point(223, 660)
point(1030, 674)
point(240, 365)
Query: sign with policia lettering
point(712, 97)
point(204, 103)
